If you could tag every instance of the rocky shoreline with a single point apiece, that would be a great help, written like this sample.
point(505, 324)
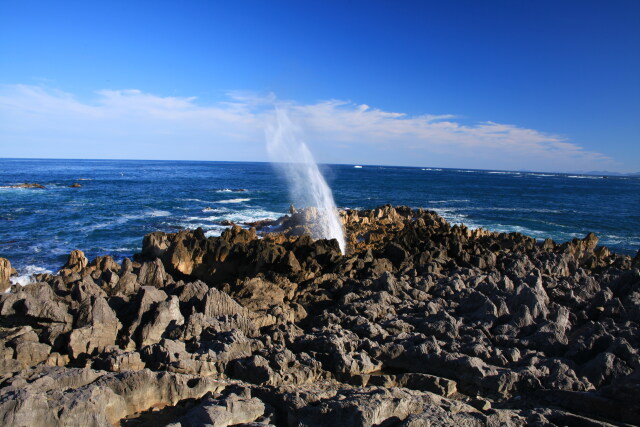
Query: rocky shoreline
point(420, 323)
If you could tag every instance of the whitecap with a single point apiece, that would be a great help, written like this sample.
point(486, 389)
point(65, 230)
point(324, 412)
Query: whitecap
point(158, 213)
point(203, 218)
point(252, 215)
point(358, 167)
point(233, 201)
point(231, 190)
point(192, 200)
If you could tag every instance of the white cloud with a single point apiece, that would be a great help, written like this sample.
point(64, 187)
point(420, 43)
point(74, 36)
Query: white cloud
point(40, 122)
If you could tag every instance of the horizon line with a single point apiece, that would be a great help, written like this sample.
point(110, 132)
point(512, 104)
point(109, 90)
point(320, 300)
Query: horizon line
point(589, 173)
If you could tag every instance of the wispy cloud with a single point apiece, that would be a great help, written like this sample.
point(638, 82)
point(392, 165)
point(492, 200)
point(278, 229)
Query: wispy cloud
point(40, 122)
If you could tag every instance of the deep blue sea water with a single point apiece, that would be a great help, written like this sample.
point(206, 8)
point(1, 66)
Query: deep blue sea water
point(120, 201)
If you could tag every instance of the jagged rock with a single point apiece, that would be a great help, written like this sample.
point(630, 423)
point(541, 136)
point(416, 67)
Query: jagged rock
point(418, 310)
point(225, 411)
point(5, 274)
point(605, 367)
point(103, 401)
point(152, 274)
point(96, 328)
point(166, 315)
point(198, 323)
point(146, 298)
point(86, 288)
point(126, 285)
point(218, 303)
point(75, 264)
point(424, 382)
point(119, 361)
point(31, 353)
point(36, 302)
point(367, 407)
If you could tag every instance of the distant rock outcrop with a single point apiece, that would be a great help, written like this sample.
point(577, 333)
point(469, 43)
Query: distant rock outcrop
point(27, 185)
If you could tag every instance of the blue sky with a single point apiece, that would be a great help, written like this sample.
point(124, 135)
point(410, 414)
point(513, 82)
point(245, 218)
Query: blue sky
point(538, 85)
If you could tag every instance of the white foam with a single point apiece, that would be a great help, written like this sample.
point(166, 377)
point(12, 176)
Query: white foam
point(203, 218)
point(358, 167)
point(193, 224)
point(25, 276)
point(194, 200)
point(449, 201)
point(251, 216)
point(233, 201)
point(158, 213)
point(431, 169)
point(231, 190)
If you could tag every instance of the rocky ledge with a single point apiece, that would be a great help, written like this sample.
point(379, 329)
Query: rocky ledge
point(420, 323)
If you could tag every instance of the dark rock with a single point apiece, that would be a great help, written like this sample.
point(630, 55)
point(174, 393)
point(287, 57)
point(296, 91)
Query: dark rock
point(225, 411)
point(166, 315)
point(96, 328)
point(36, 302)
point(102, 401)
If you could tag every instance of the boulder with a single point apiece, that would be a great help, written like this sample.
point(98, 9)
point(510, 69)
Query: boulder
point(152, 274)
point(224, 411)
point(75, 264)
point(5, 274)
point(103, 401)
point(165, 315)
point(95, 330)
point(36, 302)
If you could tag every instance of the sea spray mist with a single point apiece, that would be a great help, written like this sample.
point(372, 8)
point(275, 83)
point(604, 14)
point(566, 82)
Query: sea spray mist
point(307, 186)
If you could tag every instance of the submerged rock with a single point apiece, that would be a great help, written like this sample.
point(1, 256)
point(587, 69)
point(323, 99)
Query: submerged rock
point(27, 185)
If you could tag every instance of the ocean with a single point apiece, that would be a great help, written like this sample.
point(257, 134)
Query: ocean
point(119, 201)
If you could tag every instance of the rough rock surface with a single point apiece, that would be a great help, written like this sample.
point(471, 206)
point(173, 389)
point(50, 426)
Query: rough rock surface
point(419, 323)
point(5, 274)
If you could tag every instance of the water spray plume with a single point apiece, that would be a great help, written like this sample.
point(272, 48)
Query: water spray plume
point(306, 184)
